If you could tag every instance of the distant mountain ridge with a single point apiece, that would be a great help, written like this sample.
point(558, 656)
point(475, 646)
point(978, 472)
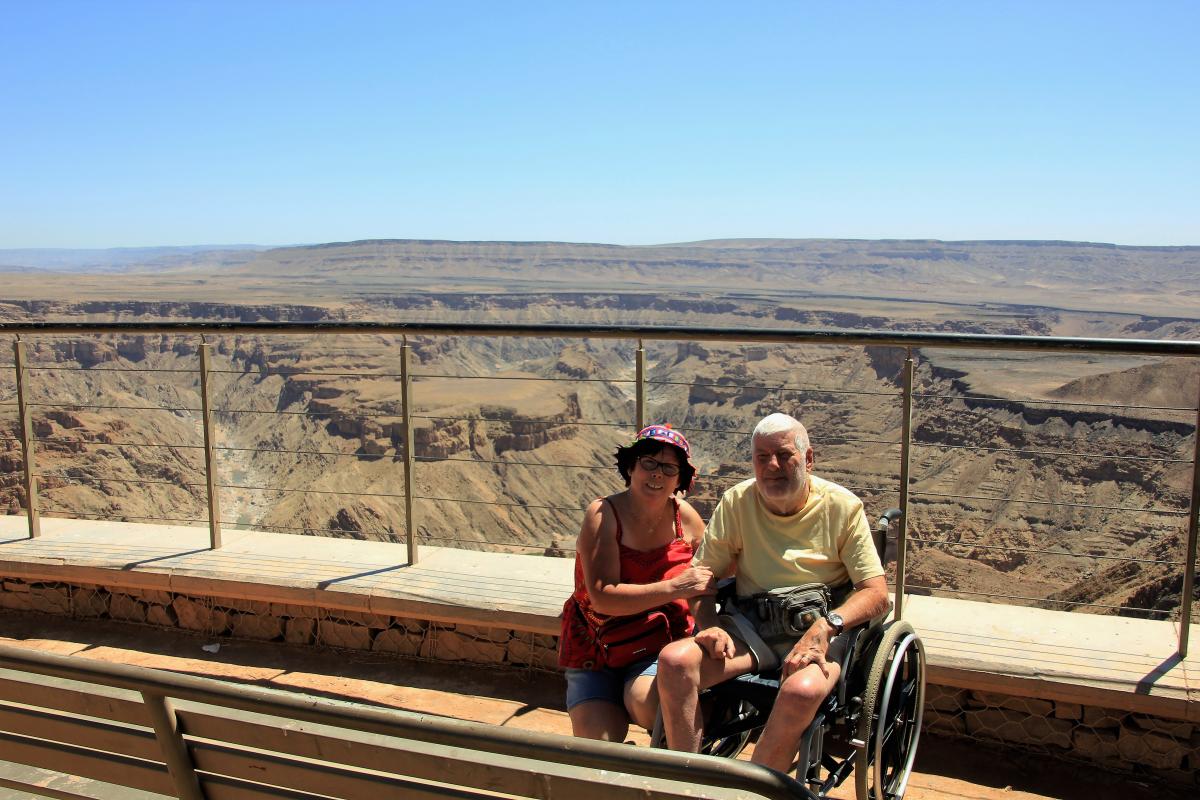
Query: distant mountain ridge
point(949, 242)
point(115, 259)
point(1070, 275)
point(1074, 276)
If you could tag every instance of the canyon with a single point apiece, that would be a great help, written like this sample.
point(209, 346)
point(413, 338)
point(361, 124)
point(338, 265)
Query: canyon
point(1036, 478)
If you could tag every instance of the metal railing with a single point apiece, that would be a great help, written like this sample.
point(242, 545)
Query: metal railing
point(910, 445)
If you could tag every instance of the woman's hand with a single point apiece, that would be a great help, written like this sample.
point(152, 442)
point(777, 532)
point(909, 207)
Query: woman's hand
point(694, 582)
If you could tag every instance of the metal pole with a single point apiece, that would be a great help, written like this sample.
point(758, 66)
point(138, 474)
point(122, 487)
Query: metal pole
point(27, 441)
point(174, 749)
point(905, 456)
point(640, 362)
point(406, 392)
point(1189, 562)
point(210, 453)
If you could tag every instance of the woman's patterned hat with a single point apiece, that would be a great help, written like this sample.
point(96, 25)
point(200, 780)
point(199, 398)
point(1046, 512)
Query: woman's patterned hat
point(663, 433)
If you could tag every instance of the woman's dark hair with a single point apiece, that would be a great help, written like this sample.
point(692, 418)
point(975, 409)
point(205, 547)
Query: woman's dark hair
point(628, 456)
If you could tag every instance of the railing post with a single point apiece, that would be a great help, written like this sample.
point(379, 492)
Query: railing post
point(27, 441)
point(410, 531)
point(210, 453)
point(174, 749)
point(640, 362)
point(1189, 562)
point(905, 456)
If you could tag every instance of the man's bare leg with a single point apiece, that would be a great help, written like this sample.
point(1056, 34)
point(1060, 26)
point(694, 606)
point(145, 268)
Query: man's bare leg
point(684, 669)
point(799, 698)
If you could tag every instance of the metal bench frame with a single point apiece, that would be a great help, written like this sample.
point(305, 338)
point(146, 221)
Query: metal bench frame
point(193, 738)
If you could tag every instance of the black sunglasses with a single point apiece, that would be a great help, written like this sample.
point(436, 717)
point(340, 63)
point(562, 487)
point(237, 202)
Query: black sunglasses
point(651, 464)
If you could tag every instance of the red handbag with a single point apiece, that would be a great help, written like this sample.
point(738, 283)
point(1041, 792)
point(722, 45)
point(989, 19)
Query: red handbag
point(627, 640)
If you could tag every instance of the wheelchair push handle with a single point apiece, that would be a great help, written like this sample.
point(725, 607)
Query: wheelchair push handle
point(883, 530)
point(887, 518)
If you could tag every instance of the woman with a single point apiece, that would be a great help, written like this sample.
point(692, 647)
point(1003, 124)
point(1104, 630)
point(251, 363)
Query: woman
point(634, 554)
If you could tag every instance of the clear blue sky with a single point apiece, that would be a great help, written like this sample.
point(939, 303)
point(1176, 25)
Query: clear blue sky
point(156, 123)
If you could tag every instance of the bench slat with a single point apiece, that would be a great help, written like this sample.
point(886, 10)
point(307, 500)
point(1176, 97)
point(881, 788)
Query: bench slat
point(41, 791)
point(73, 697)
point(323, 778)
point(92, 734)
point(107, 767)
point(365, 751)
point(419, 760)
point(220, 787)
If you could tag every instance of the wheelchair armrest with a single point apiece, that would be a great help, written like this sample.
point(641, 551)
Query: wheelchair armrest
point(726, 593)
point(854, 635)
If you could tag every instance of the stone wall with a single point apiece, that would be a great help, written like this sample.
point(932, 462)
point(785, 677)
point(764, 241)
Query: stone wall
point(282, 622)
point(1121, 740)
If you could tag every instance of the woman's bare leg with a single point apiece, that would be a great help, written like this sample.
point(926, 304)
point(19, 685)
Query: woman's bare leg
point(599, 719)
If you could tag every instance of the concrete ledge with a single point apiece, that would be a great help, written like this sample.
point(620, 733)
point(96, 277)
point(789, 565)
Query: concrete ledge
point(1108, 662)
point(518, 592)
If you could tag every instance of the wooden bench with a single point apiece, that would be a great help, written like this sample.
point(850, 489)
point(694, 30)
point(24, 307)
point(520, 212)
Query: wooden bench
point(190, 737)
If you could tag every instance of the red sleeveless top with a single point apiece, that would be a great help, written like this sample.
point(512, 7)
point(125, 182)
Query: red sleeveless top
point(576, 645)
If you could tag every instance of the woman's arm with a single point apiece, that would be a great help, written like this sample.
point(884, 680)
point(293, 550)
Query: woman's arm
point(600, 558)
point(693, 525)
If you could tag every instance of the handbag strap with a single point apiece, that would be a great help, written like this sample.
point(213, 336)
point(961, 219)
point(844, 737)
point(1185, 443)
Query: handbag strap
point(589, 616)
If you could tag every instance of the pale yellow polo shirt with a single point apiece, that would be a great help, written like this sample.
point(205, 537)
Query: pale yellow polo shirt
point(828, 541)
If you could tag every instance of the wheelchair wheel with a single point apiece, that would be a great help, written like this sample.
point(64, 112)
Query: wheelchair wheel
point(890, 724)
point(726, 732)
point(720, 743)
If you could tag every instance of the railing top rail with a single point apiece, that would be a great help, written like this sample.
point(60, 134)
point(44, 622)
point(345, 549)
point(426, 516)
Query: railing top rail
point(445, 731)
point(1159, 347)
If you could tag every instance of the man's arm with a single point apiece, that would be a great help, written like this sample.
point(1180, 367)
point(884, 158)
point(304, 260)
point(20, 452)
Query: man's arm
point(704, 609)
point(868, 601)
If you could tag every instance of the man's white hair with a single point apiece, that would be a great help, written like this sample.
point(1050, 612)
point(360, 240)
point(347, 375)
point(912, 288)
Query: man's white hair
point(782, 423)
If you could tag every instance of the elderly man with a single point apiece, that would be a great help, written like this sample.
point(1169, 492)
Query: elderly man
point(785, 527)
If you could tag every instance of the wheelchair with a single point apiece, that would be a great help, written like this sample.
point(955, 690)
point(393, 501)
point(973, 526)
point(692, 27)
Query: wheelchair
point(869, 725)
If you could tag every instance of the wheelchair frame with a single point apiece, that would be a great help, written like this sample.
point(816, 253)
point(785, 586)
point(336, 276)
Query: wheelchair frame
point(869, 725)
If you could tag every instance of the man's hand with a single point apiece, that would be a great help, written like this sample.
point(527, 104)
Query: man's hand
point(716, 642)
point(811, 649)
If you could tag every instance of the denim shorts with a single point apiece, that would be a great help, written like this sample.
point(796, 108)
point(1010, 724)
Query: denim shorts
point(605, 684)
